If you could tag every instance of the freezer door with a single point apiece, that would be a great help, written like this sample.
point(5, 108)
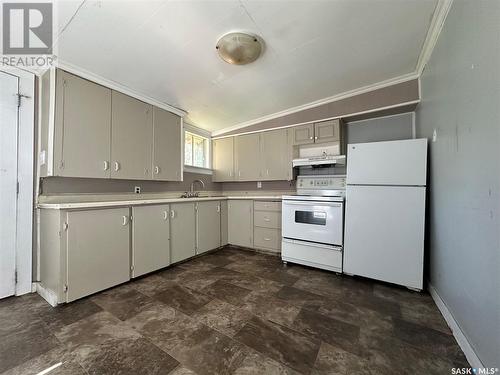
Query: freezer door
point(384, 233)
point(387, 163)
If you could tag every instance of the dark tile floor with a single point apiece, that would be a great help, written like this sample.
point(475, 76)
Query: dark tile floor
point(231, 312)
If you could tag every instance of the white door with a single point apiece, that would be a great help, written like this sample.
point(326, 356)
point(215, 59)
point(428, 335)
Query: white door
point(384, 233)
point(8, 182)
point(387, 163)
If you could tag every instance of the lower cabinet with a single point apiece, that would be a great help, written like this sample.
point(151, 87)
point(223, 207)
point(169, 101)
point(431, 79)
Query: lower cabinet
point(97, 252)
point(182, 231)
point(150, 238)
point(207, 226)
point(240, 222)
point(267, 225)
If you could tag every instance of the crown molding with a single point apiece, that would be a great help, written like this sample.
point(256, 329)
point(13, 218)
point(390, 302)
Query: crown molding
point(118, 87)
point(435, 27)
point(330, 99)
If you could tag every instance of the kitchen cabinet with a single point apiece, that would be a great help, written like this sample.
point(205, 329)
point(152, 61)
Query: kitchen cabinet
point(97, 253)
point(131, 137)
point(267, 225)
point(208, 226)
point(275, 156)
point(240, 222)
point(167, 146)
point(247, 158)
point(319, 132)
point(327, 131)
point(82, 128)
point(303, 134)
point(223, 159)
point(150, 238)
point(182, 231)
point(90, 131)
point(223, 223)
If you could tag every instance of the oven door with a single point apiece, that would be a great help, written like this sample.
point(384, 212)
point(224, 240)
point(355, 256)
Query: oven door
point(314, 221)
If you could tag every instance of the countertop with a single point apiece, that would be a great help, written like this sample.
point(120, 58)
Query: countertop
point(76, 202)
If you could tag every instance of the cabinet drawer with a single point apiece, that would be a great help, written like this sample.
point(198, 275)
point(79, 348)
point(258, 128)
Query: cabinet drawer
point(266, 206)
point(267, 219)
point(267, 238)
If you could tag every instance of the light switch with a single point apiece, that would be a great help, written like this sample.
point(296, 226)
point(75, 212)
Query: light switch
point(434, 135)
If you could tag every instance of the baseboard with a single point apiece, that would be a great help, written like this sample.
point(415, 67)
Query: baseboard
point(459, 335)
point(47, 295)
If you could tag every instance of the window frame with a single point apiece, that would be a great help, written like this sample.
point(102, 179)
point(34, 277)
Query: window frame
point(207, 145)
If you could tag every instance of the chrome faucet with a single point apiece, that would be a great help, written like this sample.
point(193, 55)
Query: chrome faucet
point(192, 193)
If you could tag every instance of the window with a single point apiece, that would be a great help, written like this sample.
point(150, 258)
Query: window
point(196, 150)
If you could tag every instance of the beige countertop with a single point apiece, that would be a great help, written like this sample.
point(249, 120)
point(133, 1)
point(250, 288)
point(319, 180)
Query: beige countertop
point(67, 202)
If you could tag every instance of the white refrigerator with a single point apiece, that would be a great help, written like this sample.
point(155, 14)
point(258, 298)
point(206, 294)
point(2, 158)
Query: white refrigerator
point(385, 211)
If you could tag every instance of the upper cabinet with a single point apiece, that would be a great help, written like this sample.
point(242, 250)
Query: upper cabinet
point(131, 137)
point(303, 134)
point(275, 155)
point(88, 130)
point(82, 128)
point(167, 146)
point(326, 131)
point(222, 159)
point(264, 156)
point(247, 157)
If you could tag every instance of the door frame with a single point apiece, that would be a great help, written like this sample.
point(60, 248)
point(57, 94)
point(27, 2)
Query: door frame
point(25, 178)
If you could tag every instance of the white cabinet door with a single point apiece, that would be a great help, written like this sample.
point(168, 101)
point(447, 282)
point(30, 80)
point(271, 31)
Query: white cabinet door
point(275, 151)
point(82, 141)
point(207, 226)
point(327, 131)
point(167, 146)
point(247, 157)
point(150, 238)
point(240, 222)
point(182, 231)
point(223, 159)
point(223, 223)
point(98, 250)
point(131, 138)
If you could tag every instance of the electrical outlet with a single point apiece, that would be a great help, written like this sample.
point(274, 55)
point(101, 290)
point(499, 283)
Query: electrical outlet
point(137, 190)
point(259, 185)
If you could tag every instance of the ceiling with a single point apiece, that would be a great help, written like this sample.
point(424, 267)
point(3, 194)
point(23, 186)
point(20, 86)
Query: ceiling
point(313, 49)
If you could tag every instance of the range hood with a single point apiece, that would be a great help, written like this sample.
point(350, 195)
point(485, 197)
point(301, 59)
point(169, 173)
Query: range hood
point(319, 160)
point(319, 155)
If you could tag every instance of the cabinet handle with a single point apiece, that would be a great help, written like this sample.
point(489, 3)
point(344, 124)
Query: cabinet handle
point(267, 172)
point(157, 169)
point(267, 219)
point(124, 220)
point(218, 208)
point(310, 137)
point(267, 239)
point(165, 215)
point(315, 137)
point(117, 166)
point(172, 214)
point(239, 173)
point(106, 165)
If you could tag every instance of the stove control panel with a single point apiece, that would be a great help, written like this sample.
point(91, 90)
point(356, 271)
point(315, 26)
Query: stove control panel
point(321, 182)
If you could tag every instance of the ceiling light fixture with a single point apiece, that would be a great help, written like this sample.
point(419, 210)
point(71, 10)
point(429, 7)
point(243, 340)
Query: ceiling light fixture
point(239, 48)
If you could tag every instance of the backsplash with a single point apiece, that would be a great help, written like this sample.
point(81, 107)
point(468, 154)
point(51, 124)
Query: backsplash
point(69, 185)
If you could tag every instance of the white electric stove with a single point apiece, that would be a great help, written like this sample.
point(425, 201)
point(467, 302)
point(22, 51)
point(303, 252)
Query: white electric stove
point(313, 222)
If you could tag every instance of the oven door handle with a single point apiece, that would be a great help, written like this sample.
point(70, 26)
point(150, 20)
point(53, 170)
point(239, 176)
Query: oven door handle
point(312, 203)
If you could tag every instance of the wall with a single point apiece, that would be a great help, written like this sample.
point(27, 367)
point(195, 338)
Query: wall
point(67, 185)
point(405, 92)
point(461, 99)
